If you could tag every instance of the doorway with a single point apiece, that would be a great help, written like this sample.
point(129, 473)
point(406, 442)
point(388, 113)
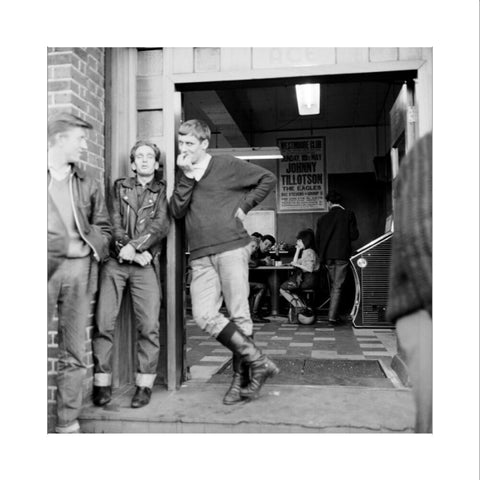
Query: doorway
point(354, 120)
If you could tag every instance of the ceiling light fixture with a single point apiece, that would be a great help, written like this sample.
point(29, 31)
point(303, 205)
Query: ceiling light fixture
point(308, 98)
point(255, 153)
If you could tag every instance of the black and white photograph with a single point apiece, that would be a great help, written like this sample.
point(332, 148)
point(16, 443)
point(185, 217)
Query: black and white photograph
point(178, 313)
point(246, 233)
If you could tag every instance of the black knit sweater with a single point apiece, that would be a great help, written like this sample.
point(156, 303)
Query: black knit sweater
point(210, 204)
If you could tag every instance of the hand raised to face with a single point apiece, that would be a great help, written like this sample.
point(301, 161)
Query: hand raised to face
point(185, 163)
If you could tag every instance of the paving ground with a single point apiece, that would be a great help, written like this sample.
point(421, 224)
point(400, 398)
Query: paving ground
point(282, 408)
point(278, 338)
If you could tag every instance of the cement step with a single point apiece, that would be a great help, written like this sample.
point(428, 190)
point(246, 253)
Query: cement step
point(197, 408)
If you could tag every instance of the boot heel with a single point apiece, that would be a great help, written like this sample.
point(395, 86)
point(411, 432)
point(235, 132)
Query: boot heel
point(261, 371)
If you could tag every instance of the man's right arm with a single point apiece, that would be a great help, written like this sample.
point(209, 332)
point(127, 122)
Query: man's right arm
point(258, 180)
point(182, 195)
point(100, 220)
point(120, 236)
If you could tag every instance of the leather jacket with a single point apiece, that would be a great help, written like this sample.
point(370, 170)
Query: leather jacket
point(90, 212)
point(57, 238)
point(142, 225)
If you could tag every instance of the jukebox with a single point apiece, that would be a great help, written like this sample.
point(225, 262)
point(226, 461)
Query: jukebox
point(370, 266)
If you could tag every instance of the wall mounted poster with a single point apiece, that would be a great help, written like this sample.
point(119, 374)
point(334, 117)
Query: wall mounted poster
point(302, 175)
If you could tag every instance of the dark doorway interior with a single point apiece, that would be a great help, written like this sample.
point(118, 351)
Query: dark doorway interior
point(354, 114)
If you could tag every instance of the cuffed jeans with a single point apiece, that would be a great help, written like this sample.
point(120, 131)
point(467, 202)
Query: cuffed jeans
point(146, 298)
point(68, 289)
point(223, 276)
point(337, 271)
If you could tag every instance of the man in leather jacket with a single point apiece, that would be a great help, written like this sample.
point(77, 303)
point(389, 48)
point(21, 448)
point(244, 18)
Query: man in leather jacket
point(140, 223)
point(78, 229)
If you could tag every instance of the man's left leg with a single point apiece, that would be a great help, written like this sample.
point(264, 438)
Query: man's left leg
point(337, 270)
point(146, 298)
point(232, 267)
point(231, 270)
point(113, 282)
point(73, 306)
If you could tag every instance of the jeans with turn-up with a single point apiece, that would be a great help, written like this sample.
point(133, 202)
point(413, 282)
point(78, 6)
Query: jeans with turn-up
point(146, 297)
point(68, 289)
point(218, 277)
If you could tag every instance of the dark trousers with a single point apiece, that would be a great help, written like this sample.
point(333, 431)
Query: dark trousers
point(337, 272)
point(257, 291)
point(146, 295)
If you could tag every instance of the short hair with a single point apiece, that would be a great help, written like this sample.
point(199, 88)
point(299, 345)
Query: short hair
point(197, 128)
point(269, 237)
point(256, 234)
point(64, 121)
point(307, 236)
point(142, 143)
point(333, 197)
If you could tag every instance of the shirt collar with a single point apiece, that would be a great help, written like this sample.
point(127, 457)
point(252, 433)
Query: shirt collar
point(200, 167)
point(147, 185)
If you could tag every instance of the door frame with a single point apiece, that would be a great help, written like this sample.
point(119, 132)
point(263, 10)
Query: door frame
point(172, 83)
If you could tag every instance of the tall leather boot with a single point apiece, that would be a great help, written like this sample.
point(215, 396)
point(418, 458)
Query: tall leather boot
point(261, 367)
point(241, 378)
point(233, 393)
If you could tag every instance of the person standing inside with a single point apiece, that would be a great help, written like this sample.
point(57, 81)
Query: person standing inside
point(215, 193)
point(79, 214)
point(334, 236)
point(410, 292)
point(140, 222)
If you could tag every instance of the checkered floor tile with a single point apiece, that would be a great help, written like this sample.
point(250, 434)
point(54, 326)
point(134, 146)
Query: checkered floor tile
point(205, 356)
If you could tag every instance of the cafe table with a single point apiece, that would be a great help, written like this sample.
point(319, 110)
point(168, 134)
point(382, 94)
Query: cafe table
point(275, 272)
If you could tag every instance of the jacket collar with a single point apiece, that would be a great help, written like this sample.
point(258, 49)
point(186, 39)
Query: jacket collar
point(79, 172)
point(75, 170)
point(153, 186)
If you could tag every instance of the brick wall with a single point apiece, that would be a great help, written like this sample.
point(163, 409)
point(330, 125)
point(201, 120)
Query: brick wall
point(76, 84)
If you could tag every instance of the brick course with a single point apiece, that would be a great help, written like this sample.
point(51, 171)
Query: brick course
point(76, 84)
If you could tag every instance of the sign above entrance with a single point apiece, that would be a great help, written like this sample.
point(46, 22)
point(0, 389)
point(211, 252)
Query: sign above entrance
point(292, 57)
point(302, 175)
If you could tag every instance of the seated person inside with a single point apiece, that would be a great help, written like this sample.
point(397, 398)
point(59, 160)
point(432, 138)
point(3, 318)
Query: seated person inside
point(261, 245)
point(304, 276)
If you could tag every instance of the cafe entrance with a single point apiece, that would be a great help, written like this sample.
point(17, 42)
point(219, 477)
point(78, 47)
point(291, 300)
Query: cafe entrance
point(345, 147)
point(247, 96)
